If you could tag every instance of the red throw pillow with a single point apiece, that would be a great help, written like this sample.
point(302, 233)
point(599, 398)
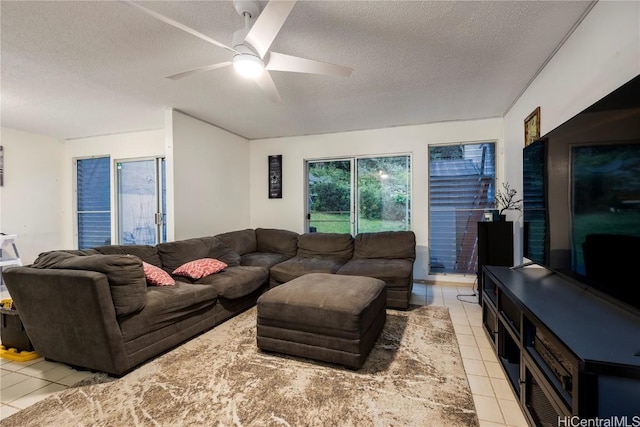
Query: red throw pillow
point(200, 268)
point(157, 276)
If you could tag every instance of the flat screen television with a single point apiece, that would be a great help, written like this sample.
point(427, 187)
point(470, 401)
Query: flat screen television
point(581, 197)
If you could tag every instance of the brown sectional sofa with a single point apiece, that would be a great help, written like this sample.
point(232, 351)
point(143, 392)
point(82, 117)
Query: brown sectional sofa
point(94, 309)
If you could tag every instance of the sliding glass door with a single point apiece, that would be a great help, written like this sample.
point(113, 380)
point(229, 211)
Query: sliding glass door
point(384, 194)
point(141, 201)
point(330, 194)
point(360, 194)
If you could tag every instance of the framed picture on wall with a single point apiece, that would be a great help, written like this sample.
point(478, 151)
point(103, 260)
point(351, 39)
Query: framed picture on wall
point(532, 127)
point(275, 177)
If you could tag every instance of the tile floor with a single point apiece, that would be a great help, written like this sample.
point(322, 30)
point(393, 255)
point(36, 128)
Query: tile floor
point(23, 384)
point(495, 401)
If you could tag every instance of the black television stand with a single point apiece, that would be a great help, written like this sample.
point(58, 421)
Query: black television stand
point(566, 351)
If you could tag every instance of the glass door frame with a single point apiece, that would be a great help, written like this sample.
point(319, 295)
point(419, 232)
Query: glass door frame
point(352, 184)
point(354, 196)
point(159, 217)
point(430, 210)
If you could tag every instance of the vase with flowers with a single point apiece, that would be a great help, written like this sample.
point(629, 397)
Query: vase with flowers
point(506, 200)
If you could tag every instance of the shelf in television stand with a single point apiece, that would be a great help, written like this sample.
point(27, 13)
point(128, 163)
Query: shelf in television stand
point(567, 351)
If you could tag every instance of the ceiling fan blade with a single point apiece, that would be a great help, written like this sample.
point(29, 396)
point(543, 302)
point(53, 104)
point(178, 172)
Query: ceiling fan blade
point(295, 64)
point(187, 73)
point(268, 87)
point(268, 24)
point(177, 25)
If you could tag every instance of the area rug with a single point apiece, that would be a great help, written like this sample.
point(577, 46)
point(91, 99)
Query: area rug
point(413, 377)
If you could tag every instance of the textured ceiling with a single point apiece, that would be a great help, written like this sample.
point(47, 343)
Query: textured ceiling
point(83, 68)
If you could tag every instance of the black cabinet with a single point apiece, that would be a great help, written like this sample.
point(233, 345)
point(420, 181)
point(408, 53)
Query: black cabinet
point(566, 351)
point(495, 247)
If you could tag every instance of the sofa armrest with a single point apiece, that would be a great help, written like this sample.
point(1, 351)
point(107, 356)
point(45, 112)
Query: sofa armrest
point(69, 316)
point(123, 272)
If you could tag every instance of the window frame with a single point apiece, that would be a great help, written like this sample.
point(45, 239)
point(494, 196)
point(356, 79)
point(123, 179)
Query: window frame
point(354, 199)
point(491, 191)
point(160, 196)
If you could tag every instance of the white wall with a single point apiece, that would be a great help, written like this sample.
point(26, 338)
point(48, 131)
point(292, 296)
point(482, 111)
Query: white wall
point(213, 171)
point(211, 180)
point(288, 212)
point(122, 146)
point(31, 199)
point(208, 169)
point(602, 54)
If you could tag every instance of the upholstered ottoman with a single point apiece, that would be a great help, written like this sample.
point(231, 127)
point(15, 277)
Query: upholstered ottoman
point(326, 317)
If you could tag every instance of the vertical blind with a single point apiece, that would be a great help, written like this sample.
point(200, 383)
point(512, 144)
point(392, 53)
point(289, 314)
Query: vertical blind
point(461, 188)
point(94, 202)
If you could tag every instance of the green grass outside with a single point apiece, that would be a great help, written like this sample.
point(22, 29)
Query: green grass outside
point(339, 223)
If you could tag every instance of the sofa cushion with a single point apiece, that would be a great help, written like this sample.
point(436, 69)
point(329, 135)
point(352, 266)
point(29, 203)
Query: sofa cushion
point(277, 241)
point(224, 253)
point(263, 259)
point(124, 273)
point(236, 282)
point(334, 245)
point(240, 241)
point(156, 276)
point(146, 253)
point(383, 269)
point(167, 306)
point(174, 254)
point(199, 268)
point(386, 244)
point(297, 266)
point(79, 252)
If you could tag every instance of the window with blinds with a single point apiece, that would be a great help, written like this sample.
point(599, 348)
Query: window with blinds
point(94, 202)
point(461, 188)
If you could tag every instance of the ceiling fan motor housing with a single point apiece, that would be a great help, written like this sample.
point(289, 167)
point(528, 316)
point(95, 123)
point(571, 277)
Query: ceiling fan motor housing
point(250, 7)
point(238, 37)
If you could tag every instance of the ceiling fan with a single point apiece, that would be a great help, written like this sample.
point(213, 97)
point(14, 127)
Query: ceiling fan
point(251, 55)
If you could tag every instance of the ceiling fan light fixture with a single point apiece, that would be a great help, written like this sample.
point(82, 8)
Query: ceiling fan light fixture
point(248, 65)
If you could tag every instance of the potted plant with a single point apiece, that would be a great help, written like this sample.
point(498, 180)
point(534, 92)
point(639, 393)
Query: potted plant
point(506, 200)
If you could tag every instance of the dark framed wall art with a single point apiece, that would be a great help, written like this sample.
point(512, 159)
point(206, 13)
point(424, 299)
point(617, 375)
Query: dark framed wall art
point(275, 177)
point(532, 127)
